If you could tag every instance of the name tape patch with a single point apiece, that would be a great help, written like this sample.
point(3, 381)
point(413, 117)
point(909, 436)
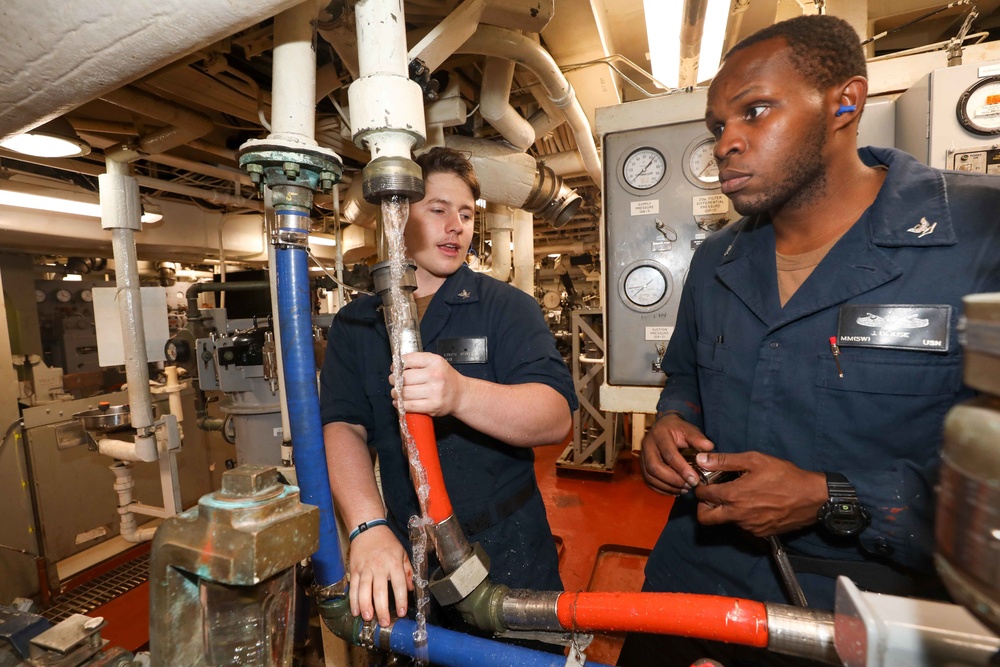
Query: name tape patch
point(463, 350)
point(895, 326)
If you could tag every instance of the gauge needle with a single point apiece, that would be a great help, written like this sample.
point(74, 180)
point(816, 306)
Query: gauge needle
point(642, 287)
point(711, 163)
point(643, 170)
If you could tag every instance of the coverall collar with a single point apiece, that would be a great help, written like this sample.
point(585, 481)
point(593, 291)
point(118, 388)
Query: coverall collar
point(856, 263)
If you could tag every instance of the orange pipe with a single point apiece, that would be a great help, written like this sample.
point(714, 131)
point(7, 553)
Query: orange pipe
point(732, 620)
point(422, 429)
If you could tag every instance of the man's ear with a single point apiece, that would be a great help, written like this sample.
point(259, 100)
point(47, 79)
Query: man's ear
point(848, 102)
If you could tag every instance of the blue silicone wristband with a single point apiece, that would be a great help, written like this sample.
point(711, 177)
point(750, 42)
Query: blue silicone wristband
point(365, 526)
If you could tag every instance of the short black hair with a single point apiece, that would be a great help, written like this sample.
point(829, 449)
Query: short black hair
point(444, 160)
point(827, 50)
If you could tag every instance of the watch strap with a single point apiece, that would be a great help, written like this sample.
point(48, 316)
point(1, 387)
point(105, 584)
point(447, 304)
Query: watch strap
point(839, 489)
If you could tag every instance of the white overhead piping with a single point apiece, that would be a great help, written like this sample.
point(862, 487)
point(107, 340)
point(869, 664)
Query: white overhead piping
point(524, 255)
point(495, 107)
point(388, 125)
point(500, 223)
point(293, 108)
point(83, 50)
point(491, 41)
point(565, 163)
point(445, 38)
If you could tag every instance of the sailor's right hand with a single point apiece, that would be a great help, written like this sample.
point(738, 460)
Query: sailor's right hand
point(663, 466)
point(379, 563)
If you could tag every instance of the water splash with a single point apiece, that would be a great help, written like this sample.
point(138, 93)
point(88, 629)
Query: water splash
point(403, 333)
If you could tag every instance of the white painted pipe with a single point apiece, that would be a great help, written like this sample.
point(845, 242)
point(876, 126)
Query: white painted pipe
point(143, 450)
point(565, 163)
point(524, 256)
point(174, 393)
point(83, 50)
point(387, 110)
point(124, 486)
point(492, 41)
point(506, 175)
point(500, 223)
point(495, 107)
point(293, 94)
point(120, 212)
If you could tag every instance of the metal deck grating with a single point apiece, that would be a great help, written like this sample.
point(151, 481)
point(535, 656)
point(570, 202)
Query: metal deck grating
point(91, 595)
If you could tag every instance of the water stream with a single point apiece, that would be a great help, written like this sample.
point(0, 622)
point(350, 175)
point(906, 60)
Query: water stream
point(403, 332)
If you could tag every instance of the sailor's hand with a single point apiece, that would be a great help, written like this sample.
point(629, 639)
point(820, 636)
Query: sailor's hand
point(663, 467)
point(379, 563)
point(431, 386)
point(771, 497)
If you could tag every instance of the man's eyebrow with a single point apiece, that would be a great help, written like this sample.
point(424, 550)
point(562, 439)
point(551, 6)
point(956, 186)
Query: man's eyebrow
point(749, 90)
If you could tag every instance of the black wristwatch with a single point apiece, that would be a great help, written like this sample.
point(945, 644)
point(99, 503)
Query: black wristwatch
point(843, 513)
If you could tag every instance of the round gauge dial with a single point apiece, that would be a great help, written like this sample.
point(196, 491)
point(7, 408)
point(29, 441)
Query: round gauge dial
point(64, 296)
point(701, 168)
point(644, 168)
point(40, 296)
point(979, 107)
point(86, 296)
point(645, 286)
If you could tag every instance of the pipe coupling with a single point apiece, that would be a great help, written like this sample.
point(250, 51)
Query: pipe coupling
point(389, 176)
point(802, 632)
point(274, 162)
point(336, 615)
point(532, 610)
point(551, 199)
point(289, 238)
point(382, 275)
point(483, 607)
point(450, 543)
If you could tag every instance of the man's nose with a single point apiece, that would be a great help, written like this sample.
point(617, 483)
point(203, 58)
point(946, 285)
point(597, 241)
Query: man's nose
point(730, 142)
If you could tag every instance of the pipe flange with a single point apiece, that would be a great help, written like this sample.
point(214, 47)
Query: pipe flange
point(275, 162)
point(392, 176)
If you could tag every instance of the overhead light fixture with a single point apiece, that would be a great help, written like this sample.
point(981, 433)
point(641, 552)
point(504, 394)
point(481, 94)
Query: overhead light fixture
point(61, 205)
point(664, 20)
point(56, 138)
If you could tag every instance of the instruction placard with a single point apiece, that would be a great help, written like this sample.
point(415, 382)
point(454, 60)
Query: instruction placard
point(646, 207)
point(710, 204)
point(659, 333)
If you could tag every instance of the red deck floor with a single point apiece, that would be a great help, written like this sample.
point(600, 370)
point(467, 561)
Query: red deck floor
point(606, 524)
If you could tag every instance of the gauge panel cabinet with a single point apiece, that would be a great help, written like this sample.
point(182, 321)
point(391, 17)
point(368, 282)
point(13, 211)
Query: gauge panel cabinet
point(661, 200)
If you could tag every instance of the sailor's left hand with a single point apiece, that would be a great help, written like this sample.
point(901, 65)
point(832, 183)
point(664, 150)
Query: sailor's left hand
point(431, 386)
point(771, 497)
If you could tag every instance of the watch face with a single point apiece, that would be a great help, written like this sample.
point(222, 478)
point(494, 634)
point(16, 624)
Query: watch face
point(845, 518)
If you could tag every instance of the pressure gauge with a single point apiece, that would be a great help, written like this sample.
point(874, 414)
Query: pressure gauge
point(979, 107)
point(86, 296)
point(644, 286)
point(64, 296)
point(644, 168)
point(700, 166)
point(40, 296)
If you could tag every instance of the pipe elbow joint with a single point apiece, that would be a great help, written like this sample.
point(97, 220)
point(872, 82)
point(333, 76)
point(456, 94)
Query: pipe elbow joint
point(483, 607)
point(336, 614)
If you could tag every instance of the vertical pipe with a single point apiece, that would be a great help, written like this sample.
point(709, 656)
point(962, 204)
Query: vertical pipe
point(524, 252)
point(295, 313)
point(286, 430)
point(120, 212)
point(293, 106)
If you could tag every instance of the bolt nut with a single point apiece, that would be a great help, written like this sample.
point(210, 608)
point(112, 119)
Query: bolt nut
point(291, 169)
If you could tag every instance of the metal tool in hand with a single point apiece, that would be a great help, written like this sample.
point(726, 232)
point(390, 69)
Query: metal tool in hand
point(788, 578)
point(791, 582)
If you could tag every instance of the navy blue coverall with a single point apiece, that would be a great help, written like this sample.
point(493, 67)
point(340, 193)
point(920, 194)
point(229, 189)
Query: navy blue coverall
point(755, 376)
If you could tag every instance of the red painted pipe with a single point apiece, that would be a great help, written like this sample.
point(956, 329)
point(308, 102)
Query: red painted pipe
point(422, 429)
point(731, 620)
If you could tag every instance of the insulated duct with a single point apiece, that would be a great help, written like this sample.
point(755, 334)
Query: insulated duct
point(83, 50)
point(491, 41)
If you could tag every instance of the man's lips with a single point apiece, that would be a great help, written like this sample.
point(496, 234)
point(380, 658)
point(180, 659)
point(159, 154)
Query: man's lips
point(731, 181)
point(449, 248)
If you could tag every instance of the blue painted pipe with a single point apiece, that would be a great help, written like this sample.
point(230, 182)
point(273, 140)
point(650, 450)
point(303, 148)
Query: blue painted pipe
point(295, 319)
point(456, 649)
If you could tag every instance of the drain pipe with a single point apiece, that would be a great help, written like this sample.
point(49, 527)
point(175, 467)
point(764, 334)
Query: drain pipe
point(500, 223)
point(120, 212)
point(524, 253)
point(291, 166)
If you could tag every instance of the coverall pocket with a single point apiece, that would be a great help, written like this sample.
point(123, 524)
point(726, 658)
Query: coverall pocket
point(711, 358)
point(874, 411)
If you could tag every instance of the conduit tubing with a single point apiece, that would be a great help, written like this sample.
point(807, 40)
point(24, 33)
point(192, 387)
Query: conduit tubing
point(731, 620)
point(457, 649)
point(295, 313)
